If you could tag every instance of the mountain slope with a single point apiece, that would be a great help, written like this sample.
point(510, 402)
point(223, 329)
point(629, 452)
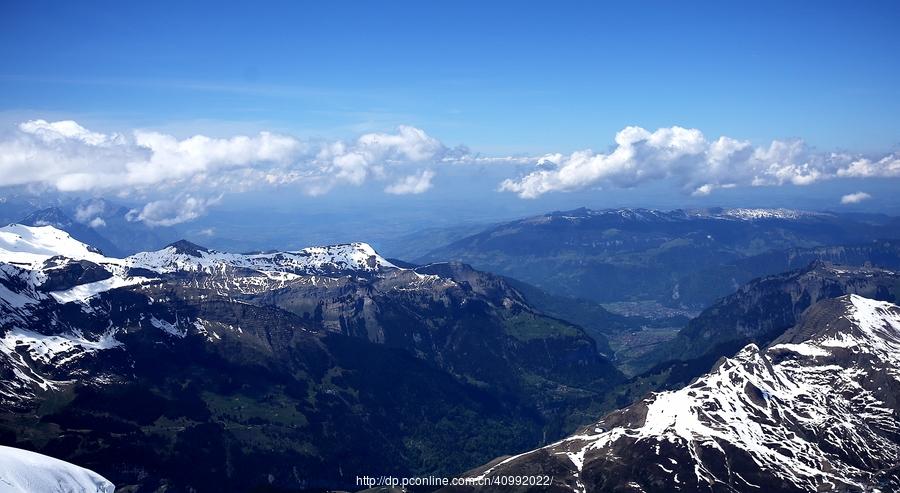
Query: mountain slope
point(815, 411)
point(181, 367)
point(763, 309)
point(721, 280)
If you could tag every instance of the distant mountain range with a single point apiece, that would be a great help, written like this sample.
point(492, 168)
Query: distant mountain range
point(678, 258)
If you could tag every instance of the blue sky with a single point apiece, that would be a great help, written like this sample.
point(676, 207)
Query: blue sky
point(397, 104)
point(502, 77)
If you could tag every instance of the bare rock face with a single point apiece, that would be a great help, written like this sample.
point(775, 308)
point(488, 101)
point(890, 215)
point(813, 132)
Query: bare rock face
point(764, 308)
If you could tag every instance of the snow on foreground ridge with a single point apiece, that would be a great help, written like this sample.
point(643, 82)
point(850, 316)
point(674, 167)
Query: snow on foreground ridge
point(816, 411)
point(22, 471)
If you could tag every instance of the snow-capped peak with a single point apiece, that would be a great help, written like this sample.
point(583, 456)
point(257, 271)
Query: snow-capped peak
point(185, 256)
point(30, 246)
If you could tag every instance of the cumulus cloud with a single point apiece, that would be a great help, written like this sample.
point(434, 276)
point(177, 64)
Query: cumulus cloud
point(865, 168)
point(89, 211)
point(97, 222)
point(71, 158)
point(855, 198)
point(371, 154)
point(67, 129)
point(178, 178)
point(170, 212)
point(412, 184)
point(696, 163)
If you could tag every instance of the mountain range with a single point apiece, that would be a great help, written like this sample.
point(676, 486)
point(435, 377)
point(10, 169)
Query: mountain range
point(185, 367)
point(682, 258)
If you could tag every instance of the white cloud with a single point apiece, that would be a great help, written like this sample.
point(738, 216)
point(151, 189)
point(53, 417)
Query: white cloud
point(865, 168)
point(150, 165)
point(855, 198)
point(88, 211)
point(66, 129)
point(408, 144)
point(172, 211)
point(412, 184)
point(371, 154)
point(69, 157)
point(97, 222)
point(694, 162)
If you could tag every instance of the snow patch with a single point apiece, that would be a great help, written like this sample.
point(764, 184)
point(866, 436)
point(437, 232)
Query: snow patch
point(55, 349)
point(84, 292)
point(168, 328)
point(24, 471)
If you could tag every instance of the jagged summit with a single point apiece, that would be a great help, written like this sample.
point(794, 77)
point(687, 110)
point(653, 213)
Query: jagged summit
point(51, 216)
point(764, 308)
point(187, 248)
point(852, 322)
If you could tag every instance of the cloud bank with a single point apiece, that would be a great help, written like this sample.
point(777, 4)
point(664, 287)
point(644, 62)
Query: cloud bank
point(697, 164)
point(179, 179)
point(68, 157)
point(71, 158)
